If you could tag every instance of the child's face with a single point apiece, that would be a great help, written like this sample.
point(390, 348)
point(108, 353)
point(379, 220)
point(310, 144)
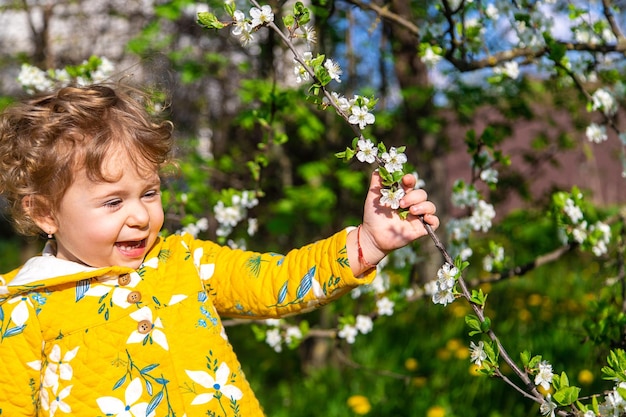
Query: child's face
point(110, 223)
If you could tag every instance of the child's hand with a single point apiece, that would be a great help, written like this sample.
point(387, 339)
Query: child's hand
point(383, 230)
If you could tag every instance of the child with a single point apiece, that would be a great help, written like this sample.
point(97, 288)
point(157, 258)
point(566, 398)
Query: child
point(113, 319)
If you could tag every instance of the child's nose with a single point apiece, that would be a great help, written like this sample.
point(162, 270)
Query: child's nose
point(138, 216)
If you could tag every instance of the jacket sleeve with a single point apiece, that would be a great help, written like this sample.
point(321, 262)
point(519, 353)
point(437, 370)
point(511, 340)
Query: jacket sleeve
point(20, 357)
point(264, 285)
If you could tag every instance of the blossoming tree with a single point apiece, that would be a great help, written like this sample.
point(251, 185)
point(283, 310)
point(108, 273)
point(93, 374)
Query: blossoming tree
point(514, 47)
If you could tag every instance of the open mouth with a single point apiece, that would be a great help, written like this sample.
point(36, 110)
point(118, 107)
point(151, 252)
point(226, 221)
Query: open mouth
point(131, 247)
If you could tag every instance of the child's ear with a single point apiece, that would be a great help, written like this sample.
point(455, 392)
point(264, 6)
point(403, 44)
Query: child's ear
point(40, 211)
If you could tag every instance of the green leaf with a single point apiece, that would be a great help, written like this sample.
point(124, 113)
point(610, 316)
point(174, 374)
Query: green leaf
point(346, 155)
point(566, 396)
point(534, 362)
point(594, 405)
point(478, 297)
point(289, 21)
point(616, 370)
point(209, 21)
point(460, 264)
point(317, 61)
point(473, 322)
point(485, 325)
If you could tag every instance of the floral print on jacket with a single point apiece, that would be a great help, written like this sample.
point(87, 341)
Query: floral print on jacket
point(113, 341)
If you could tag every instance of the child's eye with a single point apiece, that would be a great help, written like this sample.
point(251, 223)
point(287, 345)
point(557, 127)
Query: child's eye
point(151, 193)
point(113, 203)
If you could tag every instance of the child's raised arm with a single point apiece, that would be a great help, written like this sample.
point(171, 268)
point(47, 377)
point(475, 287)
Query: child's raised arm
point(383, 230)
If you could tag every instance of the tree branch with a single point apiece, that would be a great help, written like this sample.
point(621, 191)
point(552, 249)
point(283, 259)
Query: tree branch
point(493, 60)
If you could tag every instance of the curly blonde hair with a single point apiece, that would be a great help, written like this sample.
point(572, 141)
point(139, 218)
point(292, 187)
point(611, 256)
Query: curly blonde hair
point(45, 140)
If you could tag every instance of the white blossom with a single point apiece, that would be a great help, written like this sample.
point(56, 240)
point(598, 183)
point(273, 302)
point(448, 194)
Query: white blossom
point(246, 36)
point(261, 16)
point(104, 70)
point(341, 102)
point(404, 256)
point(419, 183)
point(33, 79)
point(301, 73)
point(310, 36)
point(496, 256)
point(394, 161)
point(573, 211)
point(465, 253)
point(477, 353)
point(482, 215)
point(509, 69)
point(361, 116)
point(459, 230)
point(489, 175)
point(465, 196)
point(446, 276)
point(544, 375)
point(579, 233)
point(334, 71)
point(253, 226)
point(385, 306)
point(613, 405)
point(491, 12)
point(239, 24)
point(364, 324)
point(604, 101)
point(430, 287)
point(274, 339)
point(442, 296)
point(600, 248)
point(228, 215)
point(430, 58)
point(596, 133)
point(348, 333)
point(194, 229)
point(391, 198)
point(367, 151)
point(292, 333)
point(548, 407)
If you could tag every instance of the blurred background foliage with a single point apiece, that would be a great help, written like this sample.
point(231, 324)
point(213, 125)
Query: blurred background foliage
point(243, 123)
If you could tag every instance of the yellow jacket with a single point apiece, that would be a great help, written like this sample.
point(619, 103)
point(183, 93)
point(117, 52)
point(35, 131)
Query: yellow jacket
point(149, 342)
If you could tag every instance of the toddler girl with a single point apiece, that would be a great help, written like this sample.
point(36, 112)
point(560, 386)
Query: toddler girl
point(112, 318)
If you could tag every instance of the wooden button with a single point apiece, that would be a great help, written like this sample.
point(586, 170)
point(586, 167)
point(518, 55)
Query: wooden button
point(124, 280)
point(134, 297)
point(144, 326)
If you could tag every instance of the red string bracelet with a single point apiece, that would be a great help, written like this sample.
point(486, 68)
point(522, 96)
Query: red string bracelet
point(362, 260)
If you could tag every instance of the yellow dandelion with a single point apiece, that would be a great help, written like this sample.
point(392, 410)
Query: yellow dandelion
point(585, 377)
point(453, 344)
point(411, 364)
point(359, 404)
point(524, 315)
point(459, 309)
point(535, 300)
point(419, 381)
point(544, 391)
point(473, 370)
point(436, 411)
point(462, 353)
